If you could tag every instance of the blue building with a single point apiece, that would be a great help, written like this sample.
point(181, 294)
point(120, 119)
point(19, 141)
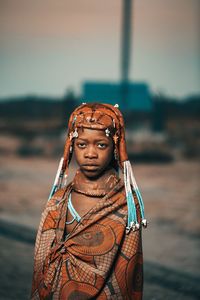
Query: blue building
point(138, 96)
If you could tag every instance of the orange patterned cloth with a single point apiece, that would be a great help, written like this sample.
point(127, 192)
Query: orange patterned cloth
point(98, 260)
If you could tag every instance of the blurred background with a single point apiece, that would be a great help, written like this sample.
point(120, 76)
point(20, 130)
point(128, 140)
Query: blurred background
point(143, 55)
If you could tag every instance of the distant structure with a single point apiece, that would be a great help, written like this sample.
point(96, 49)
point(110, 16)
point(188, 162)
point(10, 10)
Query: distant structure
point(130, 96)
point(125, 50)
point(126, 40)
point(138, 96)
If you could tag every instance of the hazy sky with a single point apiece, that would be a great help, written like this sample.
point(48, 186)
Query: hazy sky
point(48, 46)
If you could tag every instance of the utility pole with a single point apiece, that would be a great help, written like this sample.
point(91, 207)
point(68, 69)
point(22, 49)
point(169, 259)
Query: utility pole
point(126, 47)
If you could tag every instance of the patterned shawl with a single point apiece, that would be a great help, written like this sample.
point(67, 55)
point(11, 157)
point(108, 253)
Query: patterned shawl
point(98, 260)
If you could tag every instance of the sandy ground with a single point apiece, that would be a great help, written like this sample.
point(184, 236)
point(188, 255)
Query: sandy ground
point(171, 243)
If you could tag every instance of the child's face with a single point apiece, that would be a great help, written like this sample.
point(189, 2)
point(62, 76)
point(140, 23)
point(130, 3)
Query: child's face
point(93, 151)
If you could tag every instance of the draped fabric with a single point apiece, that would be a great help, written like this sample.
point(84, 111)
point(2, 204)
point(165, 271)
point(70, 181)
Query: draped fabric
point(99, 259)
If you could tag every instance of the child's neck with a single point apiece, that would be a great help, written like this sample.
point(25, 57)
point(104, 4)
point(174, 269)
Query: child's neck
point(95, 187)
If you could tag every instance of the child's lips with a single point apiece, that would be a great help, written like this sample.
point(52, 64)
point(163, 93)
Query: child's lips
point(90, 167)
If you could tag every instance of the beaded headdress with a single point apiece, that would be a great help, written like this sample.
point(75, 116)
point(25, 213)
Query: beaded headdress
point(108, 118)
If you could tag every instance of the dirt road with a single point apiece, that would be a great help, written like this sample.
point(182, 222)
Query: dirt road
point(171, 243)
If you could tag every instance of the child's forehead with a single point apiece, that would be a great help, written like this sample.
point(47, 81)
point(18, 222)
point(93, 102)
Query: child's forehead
point(91, 133)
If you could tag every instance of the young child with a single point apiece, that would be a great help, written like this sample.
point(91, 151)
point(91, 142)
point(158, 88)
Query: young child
point(89, 244)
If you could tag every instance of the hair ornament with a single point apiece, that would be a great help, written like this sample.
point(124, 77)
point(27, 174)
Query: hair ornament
point(130, 183)
point(75, 133)
point(88, 119)
point(107, 131)
point(58, 178)
point(75, 117)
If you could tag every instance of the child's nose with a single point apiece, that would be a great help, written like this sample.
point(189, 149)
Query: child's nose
point(91, 152)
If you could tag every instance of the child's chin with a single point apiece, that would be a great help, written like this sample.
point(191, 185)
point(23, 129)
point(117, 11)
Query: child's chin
point(92, 174)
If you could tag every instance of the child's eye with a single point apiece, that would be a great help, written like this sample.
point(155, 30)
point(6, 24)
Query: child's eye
point(81, 145)
point(102, 145)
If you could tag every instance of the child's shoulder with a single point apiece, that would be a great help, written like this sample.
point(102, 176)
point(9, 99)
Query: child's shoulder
point(59, 195)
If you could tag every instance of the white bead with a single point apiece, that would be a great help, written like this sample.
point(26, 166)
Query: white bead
point(137, 225)
point(107, 131)
point(144, 223)
point(116, 105)
point(75, 134)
